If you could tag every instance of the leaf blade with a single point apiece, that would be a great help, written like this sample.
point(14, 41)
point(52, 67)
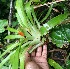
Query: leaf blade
point(53, 22)
point(14, 59)
point(54, 64)
point(21, 12)
point(13, 37)
point(11, 46)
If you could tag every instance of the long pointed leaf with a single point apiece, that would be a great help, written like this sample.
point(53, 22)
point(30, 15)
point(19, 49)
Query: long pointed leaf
point(6, 59)
point(13, 36)
point(11, 46)
point(14, 59)
point(12, 29)
point(55, 21)
point(52, 23)
point(22, 58)
point(28, 11)
point(21, 12)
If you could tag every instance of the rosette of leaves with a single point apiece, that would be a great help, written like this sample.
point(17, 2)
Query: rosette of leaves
point(28, 34)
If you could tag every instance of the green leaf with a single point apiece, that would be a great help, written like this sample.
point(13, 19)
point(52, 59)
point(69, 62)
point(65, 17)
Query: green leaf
point(35, 0)
point(22, 57)
point(54, 22)
point(10, 47)
point(6, 59)
point(3, 23)
point(25, 44)
point(26, 33)
point(43, 31)
point(19, 20)
point(14, 37)
point(54, 64)
point(14, 59)
point(61, 35)
point(12, 29)
point(21, 12)
point(28, 11)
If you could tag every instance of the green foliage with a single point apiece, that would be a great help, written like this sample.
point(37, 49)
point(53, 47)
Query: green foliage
point(68, 62)
point(52, 23)
point(61, 35)
point(12, 30)
point(22, 58)
point(14, 59)
point(13, 36)
point(21, 12)
point(54, 64)
point(29, 11)
point(32, 30)
point(3, 23)
point(35, 0)
point(6, 59)
point(9, 48)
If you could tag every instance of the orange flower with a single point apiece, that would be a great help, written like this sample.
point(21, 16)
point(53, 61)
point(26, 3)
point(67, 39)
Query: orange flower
point(21, 33)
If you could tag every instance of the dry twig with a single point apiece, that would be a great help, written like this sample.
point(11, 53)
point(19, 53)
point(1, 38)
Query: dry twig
point(46, 4)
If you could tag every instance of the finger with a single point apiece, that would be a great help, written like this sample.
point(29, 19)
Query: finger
point(33, 54)
point(44, 53)
point(39, 51)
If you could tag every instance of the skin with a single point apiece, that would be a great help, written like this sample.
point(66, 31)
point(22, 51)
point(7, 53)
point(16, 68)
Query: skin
point(37, 59)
